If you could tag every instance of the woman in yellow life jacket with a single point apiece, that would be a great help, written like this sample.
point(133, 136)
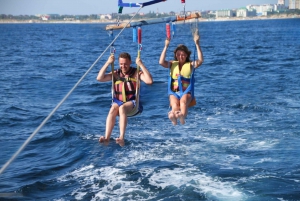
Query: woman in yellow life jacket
point(181, 81)
point(122, 105)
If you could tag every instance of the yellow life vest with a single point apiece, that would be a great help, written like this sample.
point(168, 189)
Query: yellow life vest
point(185, 72)
point(187, 81)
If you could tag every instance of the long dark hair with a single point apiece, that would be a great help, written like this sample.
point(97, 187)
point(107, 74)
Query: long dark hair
point(185, 49)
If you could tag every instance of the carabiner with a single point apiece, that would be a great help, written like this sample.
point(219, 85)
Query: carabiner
point(112, 50)
point(140, 47)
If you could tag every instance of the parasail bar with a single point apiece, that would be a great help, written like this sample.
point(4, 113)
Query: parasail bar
point(121, 4)
point(153, 21)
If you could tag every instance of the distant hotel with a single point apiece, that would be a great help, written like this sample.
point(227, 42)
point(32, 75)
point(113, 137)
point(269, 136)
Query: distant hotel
point(258, 10)
point(294, 4)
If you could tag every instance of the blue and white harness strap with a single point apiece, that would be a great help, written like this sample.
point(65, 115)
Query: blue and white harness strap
point(180, 93)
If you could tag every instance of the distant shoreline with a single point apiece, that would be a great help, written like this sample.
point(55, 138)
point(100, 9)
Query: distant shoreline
point(114, 21)
point(256, 18)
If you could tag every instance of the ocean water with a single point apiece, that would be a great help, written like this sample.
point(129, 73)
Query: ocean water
point(240, 142)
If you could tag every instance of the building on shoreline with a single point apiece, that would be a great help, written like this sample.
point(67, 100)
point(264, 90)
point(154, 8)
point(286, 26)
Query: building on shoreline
point(244, 12)
point(254, 10)
point(294, 4)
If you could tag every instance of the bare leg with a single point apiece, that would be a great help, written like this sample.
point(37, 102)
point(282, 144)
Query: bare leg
point(184, 102)
point(110, 122)
point(123, 111)
point(173, 115)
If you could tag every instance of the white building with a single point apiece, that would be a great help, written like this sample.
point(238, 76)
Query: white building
point(108, 16)
point(253, 7)
point(267, 8)
point(294, 4)
point(262, 9)
point(224, 13)
point(279, 7)
point(281, 2)
point(45, 17)
point(244, 12)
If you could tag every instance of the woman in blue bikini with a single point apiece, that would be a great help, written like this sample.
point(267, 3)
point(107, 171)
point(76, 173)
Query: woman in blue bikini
point(181, 80)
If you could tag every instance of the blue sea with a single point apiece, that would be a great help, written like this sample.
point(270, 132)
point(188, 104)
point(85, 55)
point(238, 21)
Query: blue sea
point(240, 142)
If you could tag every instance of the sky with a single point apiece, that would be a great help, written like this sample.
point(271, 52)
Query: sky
point(87, 7)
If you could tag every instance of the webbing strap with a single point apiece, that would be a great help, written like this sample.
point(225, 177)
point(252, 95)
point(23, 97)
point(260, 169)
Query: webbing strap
point(123, 92)
point(135, 110)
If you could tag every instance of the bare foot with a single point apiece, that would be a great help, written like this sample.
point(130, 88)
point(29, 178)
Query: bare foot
point(102, 139)
point(181, 118)
point(120, 142)
point(173, 118)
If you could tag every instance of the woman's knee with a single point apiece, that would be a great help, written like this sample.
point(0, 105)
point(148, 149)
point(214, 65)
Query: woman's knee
point(185, 100)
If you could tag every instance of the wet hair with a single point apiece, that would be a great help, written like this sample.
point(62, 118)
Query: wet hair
point(125, 55)
point(185, 49)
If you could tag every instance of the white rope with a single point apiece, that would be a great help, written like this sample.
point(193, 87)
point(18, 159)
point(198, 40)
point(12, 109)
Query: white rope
point(61, 102)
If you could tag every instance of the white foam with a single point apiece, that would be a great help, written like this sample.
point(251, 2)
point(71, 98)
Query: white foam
point(112, 183)
point(229, 141)
point(262, 145)
point(117, 187)
point(263, 160)
point(212, 188)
